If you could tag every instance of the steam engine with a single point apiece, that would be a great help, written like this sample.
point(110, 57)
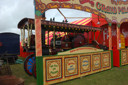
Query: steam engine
point(64, 43)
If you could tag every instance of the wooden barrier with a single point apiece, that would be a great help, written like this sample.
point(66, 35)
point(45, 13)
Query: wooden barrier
point(61, 68)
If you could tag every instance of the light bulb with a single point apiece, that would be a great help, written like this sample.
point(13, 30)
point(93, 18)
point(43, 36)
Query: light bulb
point(98, 22)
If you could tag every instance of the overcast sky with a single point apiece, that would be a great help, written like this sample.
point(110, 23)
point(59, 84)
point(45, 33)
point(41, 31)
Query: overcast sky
point(12, 11)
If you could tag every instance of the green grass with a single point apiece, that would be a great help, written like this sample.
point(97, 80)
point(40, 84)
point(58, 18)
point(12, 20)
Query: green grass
point(115, 76)
point(18, 70)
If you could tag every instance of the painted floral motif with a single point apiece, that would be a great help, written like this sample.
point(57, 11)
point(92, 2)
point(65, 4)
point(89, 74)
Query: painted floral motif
point(85, 63)
point(61, 0)
point(40, 6)
point(71, 67)
point(87, 1)
point(124, 57)
point(96, 61)
point(106, 60)
point(53, 69)
point(119, 2)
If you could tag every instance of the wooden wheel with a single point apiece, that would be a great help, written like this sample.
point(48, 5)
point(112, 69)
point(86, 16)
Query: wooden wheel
point(28, 64)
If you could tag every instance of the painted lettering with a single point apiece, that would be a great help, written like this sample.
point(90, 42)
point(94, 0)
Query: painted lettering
point(70, 63)
point(122, 10)
point(85, 61)
point(106, 9)
point(85, 65)
point(71, 69)
point(54, 72)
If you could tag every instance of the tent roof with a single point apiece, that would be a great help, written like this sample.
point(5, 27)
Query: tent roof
point(92, 21)
point(84, 21)
point(48, 25)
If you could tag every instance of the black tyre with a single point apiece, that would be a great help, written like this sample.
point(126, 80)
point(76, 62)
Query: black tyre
point(34, 70)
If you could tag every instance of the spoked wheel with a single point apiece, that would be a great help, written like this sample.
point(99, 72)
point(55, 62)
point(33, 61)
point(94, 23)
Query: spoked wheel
point(34, 70)
point(28, 64)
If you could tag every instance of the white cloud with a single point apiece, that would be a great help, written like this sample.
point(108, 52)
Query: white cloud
point(12, 11)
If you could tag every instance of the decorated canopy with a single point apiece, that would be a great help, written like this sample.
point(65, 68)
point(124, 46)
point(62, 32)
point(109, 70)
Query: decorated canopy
point(111, 10)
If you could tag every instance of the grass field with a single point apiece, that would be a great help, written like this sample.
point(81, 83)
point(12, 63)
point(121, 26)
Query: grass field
point(115, 76)
point(18, 70)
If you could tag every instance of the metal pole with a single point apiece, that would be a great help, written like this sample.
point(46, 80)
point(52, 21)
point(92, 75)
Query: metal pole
point(54, 39)
point(48, 37)
point(23, 36)
point(28, 41)
point(30, 33)
point(99, 36)
point(94, 35)
point(88, 37)
point(118, 36)
point(31, 29)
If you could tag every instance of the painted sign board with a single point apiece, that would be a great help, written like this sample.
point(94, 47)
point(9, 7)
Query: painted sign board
point(80, 50)
point(71, 67)
point(111, 10)
point(53, 68)
point(61, 68)
point(124, 57)
point(85, 64)
point(105, 60)
point(96, 61)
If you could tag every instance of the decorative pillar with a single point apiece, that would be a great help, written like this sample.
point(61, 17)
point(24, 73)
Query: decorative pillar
point(110, 35)
point(38, 32)
point(21, 37)
point(118, 36)
point(38, 40)
point(38, 46)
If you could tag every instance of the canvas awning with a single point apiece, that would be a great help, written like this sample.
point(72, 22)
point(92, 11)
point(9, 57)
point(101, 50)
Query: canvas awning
point(92, 21)
point(85, 21)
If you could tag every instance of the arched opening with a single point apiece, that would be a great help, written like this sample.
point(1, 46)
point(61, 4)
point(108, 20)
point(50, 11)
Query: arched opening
point(124, 32)
point(80, 18)
point(70, 14)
